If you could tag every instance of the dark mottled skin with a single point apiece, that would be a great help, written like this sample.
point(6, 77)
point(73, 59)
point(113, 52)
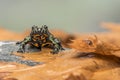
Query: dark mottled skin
point(41, 37)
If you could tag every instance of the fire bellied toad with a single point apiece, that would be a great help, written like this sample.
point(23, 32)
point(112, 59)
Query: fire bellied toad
point(41, 37)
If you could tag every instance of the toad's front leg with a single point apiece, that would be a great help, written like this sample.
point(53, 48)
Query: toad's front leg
point(56, 45)
point(23, 43)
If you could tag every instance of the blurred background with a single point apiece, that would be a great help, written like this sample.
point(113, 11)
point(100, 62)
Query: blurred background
point(68, 15)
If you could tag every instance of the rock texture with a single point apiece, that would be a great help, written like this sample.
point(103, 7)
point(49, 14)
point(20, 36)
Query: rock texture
point(6, 54)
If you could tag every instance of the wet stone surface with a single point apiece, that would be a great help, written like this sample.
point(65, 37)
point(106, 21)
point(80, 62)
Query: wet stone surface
point(6, 50)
